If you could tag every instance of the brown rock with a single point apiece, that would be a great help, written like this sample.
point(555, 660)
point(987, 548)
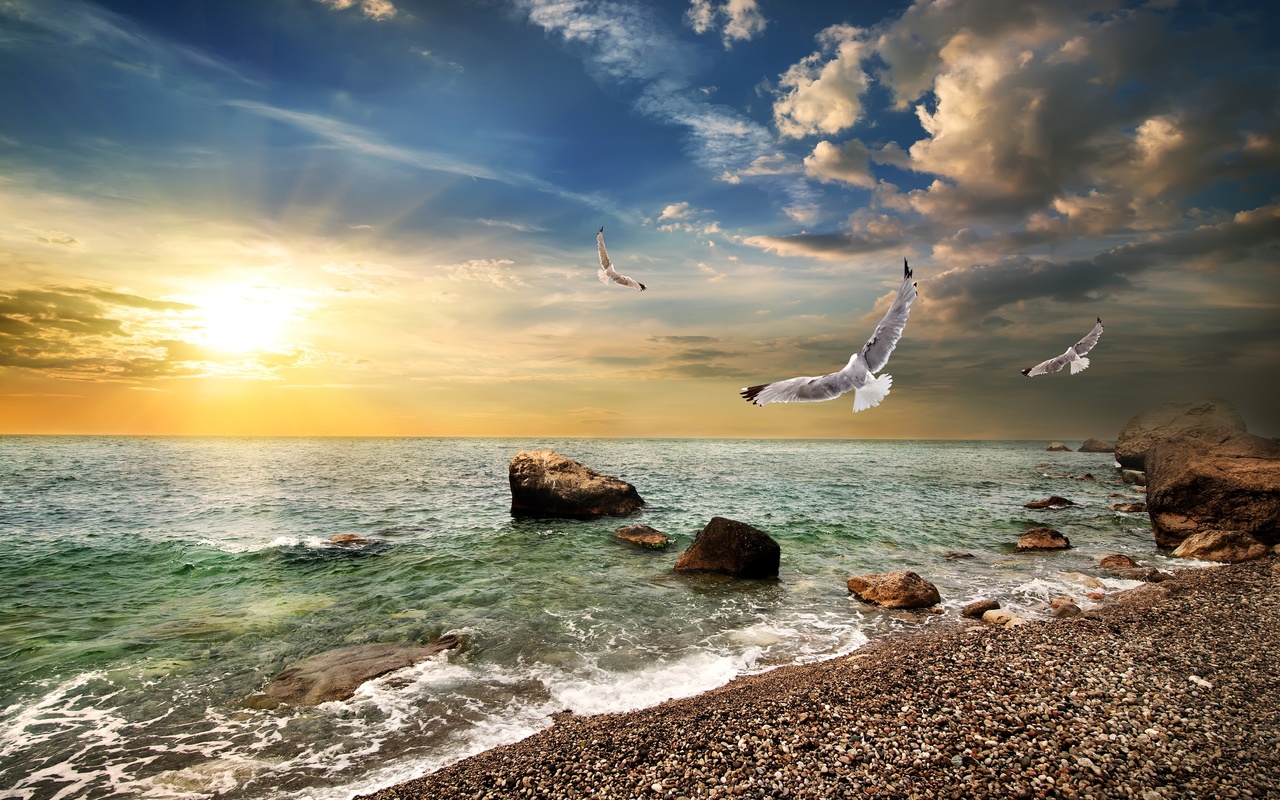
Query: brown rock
point(1117, 561)
point(1133, 476)
point(1144, 574)
point(643, 535)
point(1000, 616)
point(900, 589)
point(732, 548)
point(1042, 538)
point(957, 554)
point(546, 484)
point(1229, 546)
point(1230, 485)
point(352, 540)
point(1049, 502)
point(976, 609)
point(1207, 421)
point(1129, 508)
point(1096, 446)
point(1058, 447)
point(336, 674)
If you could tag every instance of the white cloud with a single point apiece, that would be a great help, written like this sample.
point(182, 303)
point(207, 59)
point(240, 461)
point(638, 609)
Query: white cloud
point(676, 211)
point(373, 9)
point(738, 20)
point(846, 163)
point(823, 92)
point(485, 270)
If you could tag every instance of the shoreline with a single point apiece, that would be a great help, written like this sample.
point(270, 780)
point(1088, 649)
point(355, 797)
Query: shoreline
point(1165, 690)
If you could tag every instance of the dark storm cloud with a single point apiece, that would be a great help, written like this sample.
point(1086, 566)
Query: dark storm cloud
point(825, 245)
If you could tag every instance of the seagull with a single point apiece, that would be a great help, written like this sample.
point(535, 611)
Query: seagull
point(858, 374)
point(607, 272)
point(1074, 355)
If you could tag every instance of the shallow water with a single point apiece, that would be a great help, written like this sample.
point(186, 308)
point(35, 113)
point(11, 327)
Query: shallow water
point(150, 584)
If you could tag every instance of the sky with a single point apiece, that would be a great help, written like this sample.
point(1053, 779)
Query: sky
point(378, 217)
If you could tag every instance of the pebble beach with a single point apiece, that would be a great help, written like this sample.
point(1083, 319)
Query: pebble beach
point(1164, 691)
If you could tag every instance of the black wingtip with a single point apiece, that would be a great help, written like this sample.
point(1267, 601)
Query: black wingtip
point(642, 286)
point(1025, 371)
point(1099, 320)
point(749, 393)
point(906, 271)
point(602, 229)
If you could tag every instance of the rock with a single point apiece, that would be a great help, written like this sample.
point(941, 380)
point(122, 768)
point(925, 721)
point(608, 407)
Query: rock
point(958, 554)
point(352, 540)
point(643, 535)
point(1096, 446)
point(976, 609)
point(1058, 447)
point(1144, 574)
point(1087, 581)
point(1133, 476)
point(1041, 538)
point(732, 548)
point(1129, 508)
point(900, 589)
point(1117, 561)
point(1208, 421)
point(1000, 616)
point(1229, 546)
point(546, 484)
point(336, 674)
point(1049, 502)
point(1233, 485)
point(1065, 607)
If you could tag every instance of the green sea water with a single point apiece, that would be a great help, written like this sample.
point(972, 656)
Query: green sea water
point(148, 585)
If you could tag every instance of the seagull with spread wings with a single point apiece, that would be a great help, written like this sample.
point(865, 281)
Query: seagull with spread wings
point(1074, 355)
point(607, 272)
point(859, 373)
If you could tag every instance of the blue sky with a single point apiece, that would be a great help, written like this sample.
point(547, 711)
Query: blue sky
point(378, 216)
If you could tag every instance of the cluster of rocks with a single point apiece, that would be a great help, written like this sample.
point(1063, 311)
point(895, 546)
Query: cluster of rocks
point(1089, 446)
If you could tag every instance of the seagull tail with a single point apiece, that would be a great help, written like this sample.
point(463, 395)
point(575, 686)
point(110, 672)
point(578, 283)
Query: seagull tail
point(1079, 365)
point(870, 395)
point(604, 276)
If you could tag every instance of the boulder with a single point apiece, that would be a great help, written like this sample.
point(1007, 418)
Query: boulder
point(1096, 446)
point(732, 548)
point(1117, 561)
point(644, 536)
point(1208, 421)
point(1229, 546)
point(901, 589)
point(1058, 447)
point(1063, 606)
point(1129, 508)
point(976, 609)
point(1052, 501)
point(546, 484)
point(1144, 574)
point(1042, 538)
point(352, 540)
point(1234, 484)
point(1088, 581)
point(1134, 477)
point(1001, 617)
point(336, 674)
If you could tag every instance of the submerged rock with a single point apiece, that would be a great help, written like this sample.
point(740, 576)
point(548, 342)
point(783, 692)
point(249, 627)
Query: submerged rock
point(644, 536)
point(1058, 447)
point(1049, 502)
point(1096, 446)
point(336, 674)
point(353, 540)
point(1129, 508)
point(1041, 538)
point(1228, 546)
point(901, 589)
point(546, 484)
point(731, 548)
point(1208, 421)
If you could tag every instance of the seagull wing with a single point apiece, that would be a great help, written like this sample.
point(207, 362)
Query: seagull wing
point(1086, 344)
point(875, 354)
point(1045, 367)
point(805, 389)
point(607, 272)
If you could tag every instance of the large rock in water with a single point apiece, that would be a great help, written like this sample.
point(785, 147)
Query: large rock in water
point(336, 674)
point(901, 589)
point(1096, 446)
point(732, 548)
point(1041, 538)
point(1210, 421)
point(546, 484)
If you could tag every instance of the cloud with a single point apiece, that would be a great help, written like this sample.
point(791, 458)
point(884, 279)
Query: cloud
point(485, 270)
point(373, 9)
point(737, 20)
point(847, 163)
point(675, 211)
point(522, 227)
point(823, 92)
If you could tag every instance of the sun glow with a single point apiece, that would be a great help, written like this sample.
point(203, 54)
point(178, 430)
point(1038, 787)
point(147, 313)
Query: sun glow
point(245, 319)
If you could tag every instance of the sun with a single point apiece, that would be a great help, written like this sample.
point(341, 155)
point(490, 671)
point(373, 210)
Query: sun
point(243, 319)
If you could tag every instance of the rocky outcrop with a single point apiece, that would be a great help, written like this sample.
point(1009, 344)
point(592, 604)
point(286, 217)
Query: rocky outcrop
point(1049, 502)
point(644, 536)
point(1209, 421)
point(1058, 447)
point(1096, 446)
point(336, 674)
point(1229, 546)
point(901, 589)
point(1041, 538)
point(977, 608)
point(1117, 561)
point(1129, 508)
point(1230, 485)
point(732, 548)
point(546, 484)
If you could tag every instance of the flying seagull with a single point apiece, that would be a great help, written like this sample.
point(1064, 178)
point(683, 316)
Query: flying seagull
point(858, 374)
point(607, 272)
point(1074, 355)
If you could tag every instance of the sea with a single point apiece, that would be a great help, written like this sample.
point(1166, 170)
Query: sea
point(149, 585)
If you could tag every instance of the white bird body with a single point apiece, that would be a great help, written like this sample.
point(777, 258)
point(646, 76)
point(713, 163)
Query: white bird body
point(1073, 357)
point(859, 374)
point(607, 272)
